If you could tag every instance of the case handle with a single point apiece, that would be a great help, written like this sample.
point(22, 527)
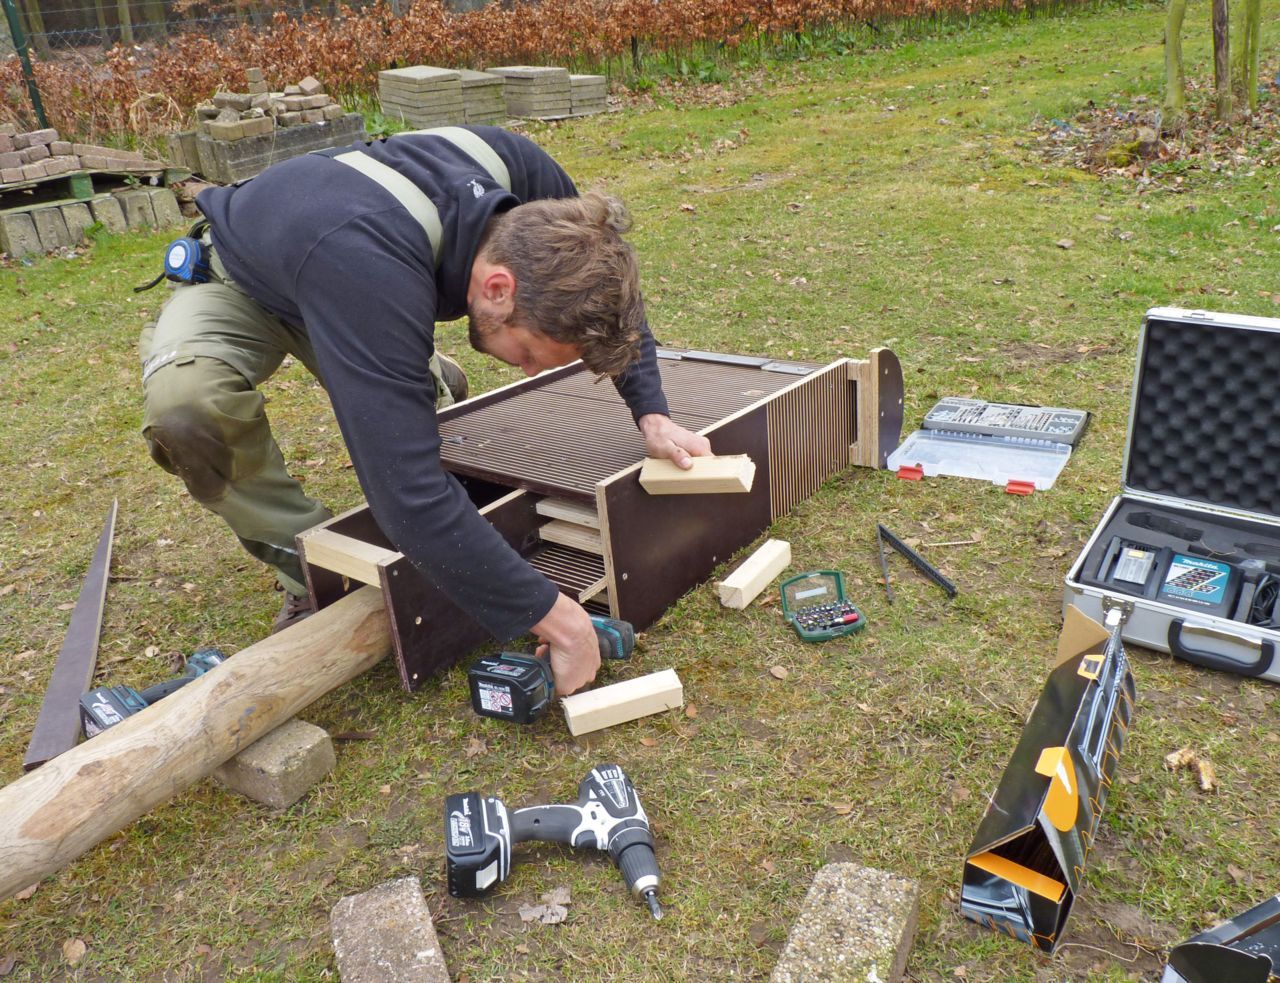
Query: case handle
point(1212, 660)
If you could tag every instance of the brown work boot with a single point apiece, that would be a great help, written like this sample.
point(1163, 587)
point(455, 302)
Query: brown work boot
point(296, 607)
point(454, 377)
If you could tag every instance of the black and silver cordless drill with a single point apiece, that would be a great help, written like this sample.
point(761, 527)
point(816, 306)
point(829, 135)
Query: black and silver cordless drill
point(479, 833)
point(106, 706)
point(518, 687)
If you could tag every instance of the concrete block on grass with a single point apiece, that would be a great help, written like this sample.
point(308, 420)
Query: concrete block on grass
point(280, 768)
point(51, 228)
point(108, 213)
point(165, 205)
point(78, 219)
point(385, 935)
point(857, 924)
point(18, 236)
point(136, 205)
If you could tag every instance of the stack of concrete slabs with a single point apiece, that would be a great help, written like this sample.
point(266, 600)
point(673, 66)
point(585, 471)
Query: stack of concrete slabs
point(422, 95)
point(482, 100)
point(587, 94)
point(536, 92)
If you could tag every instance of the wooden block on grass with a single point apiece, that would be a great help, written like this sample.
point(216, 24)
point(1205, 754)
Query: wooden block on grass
point(744, 585)
point(599, 708)
point(730, 473)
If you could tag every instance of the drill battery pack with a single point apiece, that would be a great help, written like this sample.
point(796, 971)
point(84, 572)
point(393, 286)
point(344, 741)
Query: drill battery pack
point(511, 686)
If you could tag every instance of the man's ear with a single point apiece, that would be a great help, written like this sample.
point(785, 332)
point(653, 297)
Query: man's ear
point(499, 287)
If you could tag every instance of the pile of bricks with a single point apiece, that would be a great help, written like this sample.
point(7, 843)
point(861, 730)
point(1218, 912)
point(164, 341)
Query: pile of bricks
point(38, 154)
point(587, 94)
point(237, 115)
point(536, 92)
point(422, 96)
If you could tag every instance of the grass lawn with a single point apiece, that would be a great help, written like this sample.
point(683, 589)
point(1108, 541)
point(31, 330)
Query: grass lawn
point(891, 198)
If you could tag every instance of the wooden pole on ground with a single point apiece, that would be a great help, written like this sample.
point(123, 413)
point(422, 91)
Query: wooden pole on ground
point(58, 812)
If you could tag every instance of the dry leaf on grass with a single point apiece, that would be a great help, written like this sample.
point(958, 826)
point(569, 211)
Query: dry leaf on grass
point(648, 742)
point(476, 746)
point(7, 962)
point(73, 950)
point(1203, 767)
point(691, 710)
point(779, 672)
point(26, 892)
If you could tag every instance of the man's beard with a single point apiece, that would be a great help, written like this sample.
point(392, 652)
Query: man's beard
point(480, 326)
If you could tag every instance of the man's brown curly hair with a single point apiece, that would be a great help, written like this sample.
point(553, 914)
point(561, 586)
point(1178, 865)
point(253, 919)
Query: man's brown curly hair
point(576, 277)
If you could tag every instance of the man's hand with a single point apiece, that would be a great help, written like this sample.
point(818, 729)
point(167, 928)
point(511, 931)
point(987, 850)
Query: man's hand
point(575, 650)
point(667, 439)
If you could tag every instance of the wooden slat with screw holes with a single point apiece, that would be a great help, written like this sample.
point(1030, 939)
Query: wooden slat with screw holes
point(345, 555)
point(744, 585)
point(609, 705)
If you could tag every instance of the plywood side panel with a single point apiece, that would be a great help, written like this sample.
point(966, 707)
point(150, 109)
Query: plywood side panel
point(810, 429)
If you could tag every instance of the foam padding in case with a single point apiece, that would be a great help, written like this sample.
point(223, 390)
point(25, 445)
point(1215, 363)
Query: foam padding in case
point(1206, 421)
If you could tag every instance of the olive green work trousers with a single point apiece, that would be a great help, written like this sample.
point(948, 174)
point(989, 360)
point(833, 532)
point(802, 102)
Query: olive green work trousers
point(204, 418)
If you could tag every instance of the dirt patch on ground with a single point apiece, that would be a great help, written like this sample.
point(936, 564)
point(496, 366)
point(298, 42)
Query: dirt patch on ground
point(1134, 141)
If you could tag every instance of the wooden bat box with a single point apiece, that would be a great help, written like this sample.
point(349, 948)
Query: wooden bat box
point(553, 462)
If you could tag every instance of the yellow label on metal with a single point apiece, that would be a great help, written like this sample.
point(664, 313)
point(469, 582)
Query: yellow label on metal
point(1015, 873)
point(1062, 803)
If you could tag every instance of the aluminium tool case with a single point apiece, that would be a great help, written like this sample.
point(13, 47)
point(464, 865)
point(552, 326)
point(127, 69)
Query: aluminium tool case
point(1194, 537)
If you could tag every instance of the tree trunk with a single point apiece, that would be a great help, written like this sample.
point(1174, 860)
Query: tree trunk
point(100, 12)
point(1252, 40)
point(155, 13)
point(56, 813)
point(34, 18)
point(1239, 57)
point(1221, 63)
point(1175, 94)
point(126, 22)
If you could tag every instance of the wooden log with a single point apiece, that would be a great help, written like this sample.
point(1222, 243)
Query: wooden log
point(599, 708)
point(742, 586)
point(728, 473)
point(54, 814)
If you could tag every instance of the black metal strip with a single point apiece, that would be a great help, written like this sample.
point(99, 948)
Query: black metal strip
point(58, 726)
point(917, 561)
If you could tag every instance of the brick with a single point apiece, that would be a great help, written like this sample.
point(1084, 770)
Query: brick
point(258, 88)
point(37, 151)
point(310, 86)
point(289, 119)
point(856, 924)
point(78, 219)
point(253, 75)
point(61, 165)
point(165, 205)
point(135, 203)
point(318, 101)
point(21, 141)
point(294, 104)
point(93, 162)
point(261, 101)
point(207, 110)
point(313, 116)
point(291, 90)
point(6, 143)
point(385, 935)
point(107, 212)
point(51, 227)
point(225, 162)
point(258, 125)
point(178, 144)
point(226, 131)
point(333, 111)
point(61, 148)
point(280, 768)
point(32, 171)
point(18, 236)
point(43, 137)
point(238, 101)
point(8, 175)
point(11, 159)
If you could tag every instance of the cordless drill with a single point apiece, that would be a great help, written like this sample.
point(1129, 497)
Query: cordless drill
point(106, 706)
point(479, 834)
point(518, 687)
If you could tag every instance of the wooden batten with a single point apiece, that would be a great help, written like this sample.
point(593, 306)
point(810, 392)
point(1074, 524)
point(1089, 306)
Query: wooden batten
point(571, 534)
point(578, 514)
point(732, 473)
point(609, 705)
point(345, 555)
point(744, 585)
